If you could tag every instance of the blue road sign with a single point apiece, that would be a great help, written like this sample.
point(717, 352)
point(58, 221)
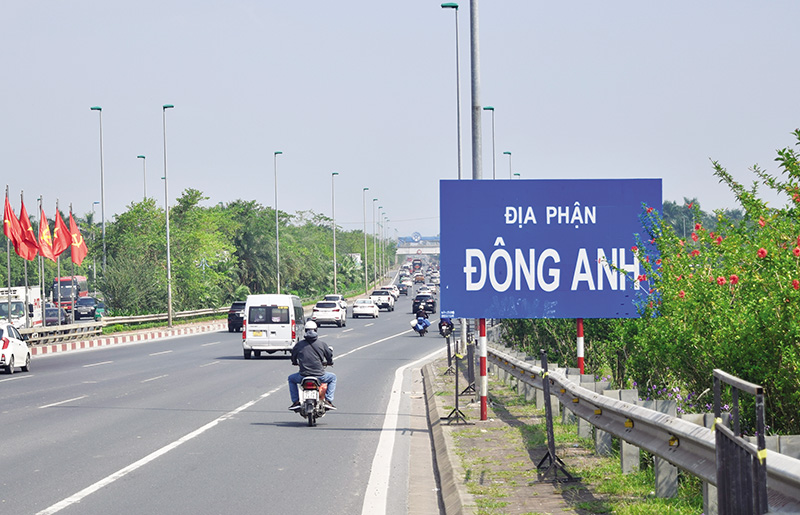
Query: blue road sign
point(542, 248)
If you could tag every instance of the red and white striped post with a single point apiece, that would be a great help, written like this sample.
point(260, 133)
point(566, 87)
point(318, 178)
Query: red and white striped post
point(484, 380)
point(580, 344)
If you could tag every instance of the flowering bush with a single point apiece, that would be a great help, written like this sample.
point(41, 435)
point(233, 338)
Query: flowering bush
point(728, 297)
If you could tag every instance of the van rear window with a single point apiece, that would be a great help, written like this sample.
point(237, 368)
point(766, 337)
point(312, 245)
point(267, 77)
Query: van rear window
point(268, 315)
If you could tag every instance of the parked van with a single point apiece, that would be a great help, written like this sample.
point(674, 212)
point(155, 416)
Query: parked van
point(271, 323)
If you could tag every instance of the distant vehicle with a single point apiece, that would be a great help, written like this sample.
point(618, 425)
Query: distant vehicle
point(425, 301)
point(383, 299)
point(329, 312)
point(85, 306)
point(67, 289)
point(365, 308)
point(402, 288)
point(425, 289)
point(100, 310)
point(338, 298)
point(419, 277)
point(416, 264)
point(15, 351)
point(54, 316)
point(393, 289)
point(18, 295)
point(236, 316)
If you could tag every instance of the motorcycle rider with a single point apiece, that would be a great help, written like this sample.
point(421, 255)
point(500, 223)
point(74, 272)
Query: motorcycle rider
point(312, 355)
point(445, 322)
point(422, 317)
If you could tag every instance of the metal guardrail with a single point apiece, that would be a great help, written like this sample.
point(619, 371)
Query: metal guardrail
point(685, 445)
point(44, 335)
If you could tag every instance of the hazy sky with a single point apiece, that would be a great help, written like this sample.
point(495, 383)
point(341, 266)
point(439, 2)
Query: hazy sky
point(367, 89)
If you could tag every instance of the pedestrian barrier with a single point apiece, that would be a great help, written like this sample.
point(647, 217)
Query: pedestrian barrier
point(674, 441)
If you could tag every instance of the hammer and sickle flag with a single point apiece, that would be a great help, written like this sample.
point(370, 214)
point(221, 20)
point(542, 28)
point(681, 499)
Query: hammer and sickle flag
point(79, 249)
point(45, 238)
point(29, 247)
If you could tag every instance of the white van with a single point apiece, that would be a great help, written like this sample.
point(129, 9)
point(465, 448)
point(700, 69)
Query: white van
point(272, 323)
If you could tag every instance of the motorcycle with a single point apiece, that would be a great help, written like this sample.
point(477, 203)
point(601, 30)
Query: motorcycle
point(420, 325)
point(312, 399)
point(446, 330)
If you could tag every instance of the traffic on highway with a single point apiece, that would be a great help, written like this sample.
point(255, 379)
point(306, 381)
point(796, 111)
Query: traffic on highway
point(185, 425)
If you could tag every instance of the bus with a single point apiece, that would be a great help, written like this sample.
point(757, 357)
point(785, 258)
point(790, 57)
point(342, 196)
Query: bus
point(69, 288)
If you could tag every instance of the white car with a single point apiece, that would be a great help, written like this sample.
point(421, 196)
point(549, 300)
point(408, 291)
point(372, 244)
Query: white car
point(329, 312)
point(393, 289)
point(366, 308)
point(338, 298)
point(424, 289)
point(14, 352)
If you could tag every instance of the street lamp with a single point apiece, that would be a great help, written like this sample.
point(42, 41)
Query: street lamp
point(509, 162)
point(166, 214)
point(490, 108)
point(102, 185)
point(374, 249)
point(364, 202)
point(277, 238)
point(94, 259)
point(517, 176)
point(333, 218)
point(144, 175)
point(454, 6)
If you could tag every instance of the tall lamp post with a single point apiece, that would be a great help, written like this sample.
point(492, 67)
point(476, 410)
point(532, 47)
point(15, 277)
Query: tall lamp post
point(509, 162)
point(102, 185)
point(166, 213)
point(94, 259)
point(454, 7)
point(333, 218)
point(490, 108)
point(374, 248)
point(379, 241)
point(517, 176)
point(364, 202)
point(277, 238)
point(144, 175)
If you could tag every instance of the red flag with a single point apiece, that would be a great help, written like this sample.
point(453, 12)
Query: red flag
point(28, 247)
point(45, 239)
point(11, 225)
point(79, 249)
point(61, 239)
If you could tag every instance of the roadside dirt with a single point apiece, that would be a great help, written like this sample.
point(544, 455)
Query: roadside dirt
point(499, 456)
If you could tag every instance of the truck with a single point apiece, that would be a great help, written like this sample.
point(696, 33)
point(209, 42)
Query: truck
point(383, 299)
point(18, 296)
point(67, 289)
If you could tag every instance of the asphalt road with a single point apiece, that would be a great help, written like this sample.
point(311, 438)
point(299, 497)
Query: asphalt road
point(187, 426)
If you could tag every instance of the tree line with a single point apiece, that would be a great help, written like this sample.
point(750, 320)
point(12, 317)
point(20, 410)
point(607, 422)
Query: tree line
point(219, 254)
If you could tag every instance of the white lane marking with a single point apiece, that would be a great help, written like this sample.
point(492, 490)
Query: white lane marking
point(160, 353)
point(79, 496)
point(22, 376)
point(369, 324)
point(95, 364)
point(154, 378)
point(76, 498)
point(63, 402)
point(207, 344)
point(212, 363)
point(378, 485)
point(347, 330)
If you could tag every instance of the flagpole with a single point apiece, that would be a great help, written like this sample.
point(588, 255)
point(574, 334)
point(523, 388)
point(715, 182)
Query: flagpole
point(72, 280)
point(58, 279)
point(41, 268)
point(8, 269)
point(25, 267)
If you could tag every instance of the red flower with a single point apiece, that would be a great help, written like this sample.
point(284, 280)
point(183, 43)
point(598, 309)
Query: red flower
point(658, 261)
point(694, 253)
point(680, 242)
point(689, 205)
point(649, 209)
point(721, 281)
point(761, 222)
point(796, 197)
point(641, 278)
point(679, 278)
point(734, 279)
point(797, 252)
point(681, 294)
point(694, 237)
point(762, 252)
point(719, 240)
point(634, 248)
point(698, 227)
point(796, 284)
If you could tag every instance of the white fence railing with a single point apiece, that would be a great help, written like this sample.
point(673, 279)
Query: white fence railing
point(685, 445)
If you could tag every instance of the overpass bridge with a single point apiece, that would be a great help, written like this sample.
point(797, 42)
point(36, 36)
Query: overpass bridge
point(417, 244)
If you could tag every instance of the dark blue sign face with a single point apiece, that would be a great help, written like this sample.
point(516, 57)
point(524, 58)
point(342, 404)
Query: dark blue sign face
point(543, 248)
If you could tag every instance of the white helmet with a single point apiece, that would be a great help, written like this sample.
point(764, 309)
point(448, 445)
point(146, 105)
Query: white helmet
point(311, 325)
